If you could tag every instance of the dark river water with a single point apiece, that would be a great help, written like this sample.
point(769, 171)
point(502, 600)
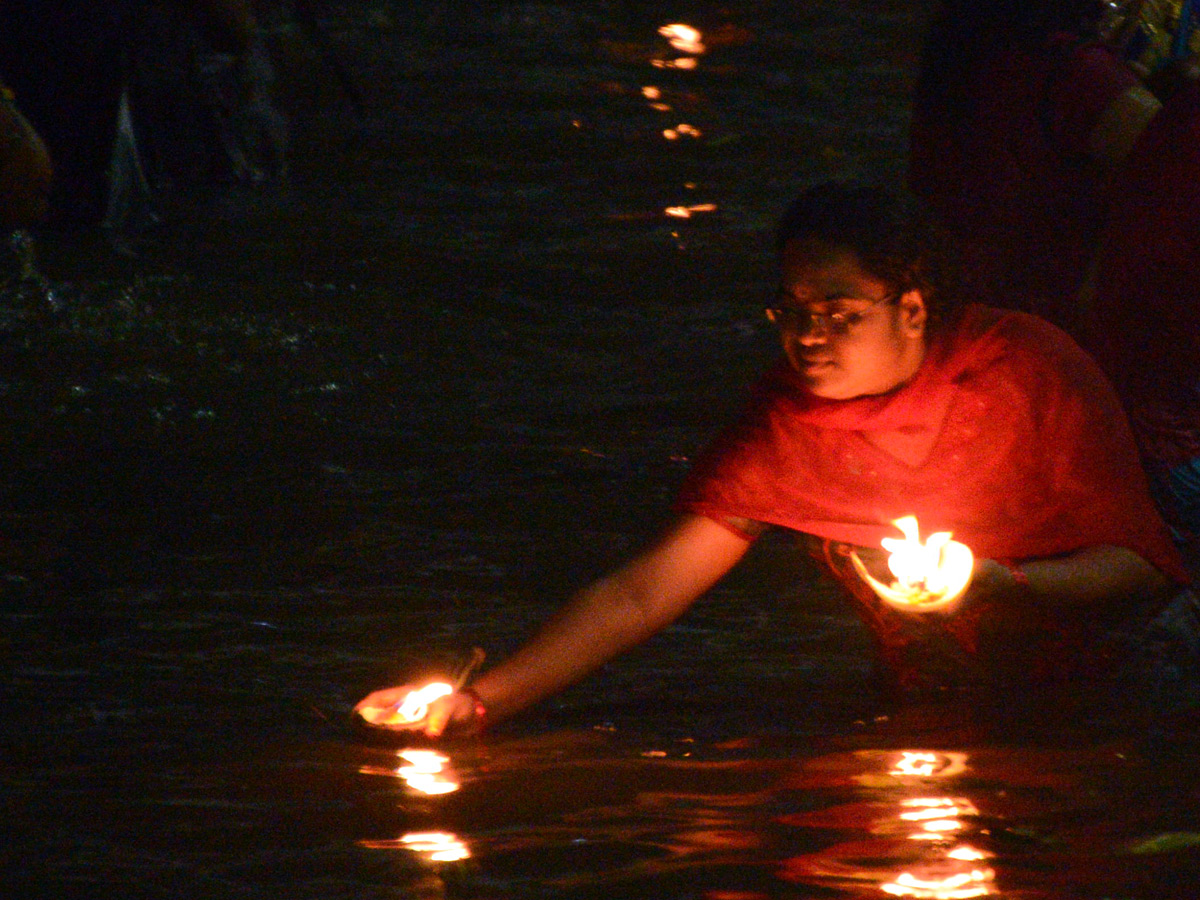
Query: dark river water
point(326, 435)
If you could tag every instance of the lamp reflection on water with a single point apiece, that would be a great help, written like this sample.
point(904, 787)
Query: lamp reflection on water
point(683, 39)
point(686, 212)
point(951, 873)
point(928, 764)
point(436, 846)
point(426, 772)
point(914, 839)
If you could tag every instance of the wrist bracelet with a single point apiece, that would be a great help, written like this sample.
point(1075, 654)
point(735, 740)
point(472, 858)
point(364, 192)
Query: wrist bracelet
point(480, 709)
point(1018, 576)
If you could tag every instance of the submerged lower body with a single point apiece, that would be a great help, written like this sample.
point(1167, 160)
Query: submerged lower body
point(1140, 673)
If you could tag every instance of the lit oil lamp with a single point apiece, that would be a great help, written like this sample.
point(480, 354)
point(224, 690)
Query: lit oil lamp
point(929, 575)
point(410, 713)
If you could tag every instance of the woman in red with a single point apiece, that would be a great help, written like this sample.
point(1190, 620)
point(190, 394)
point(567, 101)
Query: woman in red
point(891, 398)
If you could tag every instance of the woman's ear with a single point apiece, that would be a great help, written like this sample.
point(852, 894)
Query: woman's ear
point(914, 316)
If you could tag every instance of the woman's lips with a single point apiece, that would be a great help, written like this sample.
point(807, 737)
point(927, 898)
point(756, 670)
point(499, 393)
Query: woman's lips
point(811, 366)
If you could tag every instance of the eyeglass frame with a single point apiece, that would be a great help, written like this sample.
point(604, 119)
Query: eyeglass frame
point(838, 324)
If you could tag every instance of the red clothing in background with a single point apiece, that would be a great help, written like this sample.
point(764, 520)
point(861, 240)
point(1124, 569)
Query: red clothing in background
point(1006, 168)
point(1144, 325)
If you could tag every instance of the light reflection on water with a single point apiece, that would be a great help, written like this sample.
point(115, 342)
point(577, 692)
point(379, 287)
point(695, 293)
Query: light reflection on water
point(577, 814)
point(311, 442)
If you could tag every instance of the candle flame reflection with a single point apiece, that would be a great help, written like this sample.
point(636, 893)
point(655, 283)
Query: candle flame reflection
point(685, 212)
point(960, 886)
point(437, 846)
point(920, 837)
point(687, 62)
point(434, 846)
point(929, 764)
point(683, 38)
point(426, 772)
point(938, 819)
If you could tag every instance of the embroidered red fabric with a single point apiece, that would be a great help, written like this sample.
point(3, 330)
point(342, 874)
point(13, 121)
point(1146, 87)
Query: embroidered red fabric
point(1008, 436)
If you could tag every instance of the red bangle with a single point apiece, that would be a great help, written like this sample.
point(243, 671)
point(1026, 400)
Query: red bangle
point(480, 709)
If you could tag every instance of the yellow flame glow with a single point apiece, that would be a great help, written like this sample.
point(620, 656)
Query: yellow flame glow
point(929, 763)
point(437, 846)
point(426, 772)
point(683, 38)
point(927, 575)
point(963, 885)
point(687, 62)
point(686, 212)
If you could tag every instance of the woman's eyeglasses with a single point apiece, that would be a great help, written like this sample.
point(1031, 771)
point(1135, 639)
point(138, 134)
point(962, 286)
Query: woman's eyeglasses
point(801, 320)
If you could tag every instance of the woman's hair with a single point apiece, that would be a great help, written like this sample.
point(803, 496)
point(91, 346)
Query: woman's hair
point(890, 233)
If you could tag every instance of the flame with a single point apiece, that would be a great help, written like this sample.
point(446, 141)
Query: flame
point(928, 575)
point(416, 705)
point(412, 709)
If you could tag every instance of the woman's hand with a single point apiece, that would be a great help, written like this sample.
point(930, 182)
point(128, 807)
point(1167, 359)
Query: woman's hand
point(459, 713)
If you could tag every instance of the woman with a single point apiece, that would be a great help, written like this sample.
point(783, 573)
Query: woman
point(892, 398)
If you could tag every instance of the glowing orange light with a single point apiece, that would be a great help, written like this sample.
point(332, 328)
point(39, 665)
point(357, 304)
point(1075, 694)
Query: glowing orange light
point(683, 38)
point(960, 886)
point(414, 708)
point(683, 130)
point(928, 763)
point(687, 62)
point(438, 846)
point(426, 772)
point(651, 93)
point(685, 212)
point(968, 853)
point(927, 575)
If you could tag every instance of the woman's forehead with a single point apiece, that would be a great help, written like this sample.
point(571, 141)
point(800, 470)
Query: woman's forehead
point(816, 272)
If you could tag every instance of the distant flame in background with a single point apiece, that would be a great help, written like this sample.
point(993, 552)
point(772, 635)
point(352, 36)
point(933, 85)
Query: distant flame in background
point(681, 130)
point(684, 38)
point(686, 212)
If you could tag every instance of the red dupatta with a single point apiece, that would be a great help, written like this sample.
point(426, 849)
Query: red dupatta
point(1008, 436)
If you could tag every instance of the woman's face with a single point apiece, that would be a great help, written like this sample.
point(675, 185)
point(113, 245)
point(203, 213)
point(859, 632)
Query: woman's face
point(845, 332)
